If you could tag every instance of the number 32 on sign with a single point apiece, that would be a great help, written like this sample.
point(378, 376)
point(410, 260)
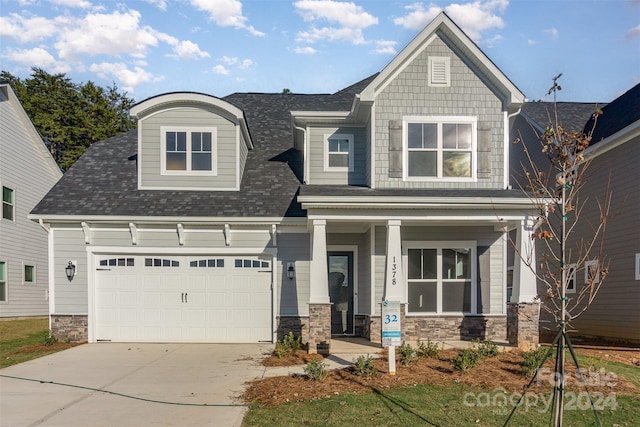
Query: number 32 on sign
point(391, 332)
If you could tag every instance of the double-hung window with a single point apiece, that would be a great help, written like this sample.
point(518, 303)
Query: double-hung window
point(440, 148)
point(188, 150)
point(3, 281)
point(338, 153)
point(8, 203)
point(441, 277)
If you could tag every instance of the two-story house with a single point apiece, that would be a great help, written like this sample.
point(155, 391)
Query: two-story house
point(27, 173)
point(242, 218)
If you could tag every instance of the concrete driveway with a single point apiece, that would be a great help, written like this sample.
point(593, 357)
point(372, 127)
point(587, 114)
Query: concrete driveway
point(186, 377)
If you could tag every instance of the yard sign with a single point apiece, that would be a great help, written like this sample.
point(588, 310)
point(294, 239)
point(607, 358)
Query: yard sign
point(391, 332)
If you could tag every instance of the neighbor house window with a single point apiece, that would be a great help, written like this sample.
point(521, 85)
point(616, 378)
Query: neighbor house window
point(188, 150)
point(440, 147)
point(571, 279)
point(338, 152)
point(3, 281)
point(8, 203)
point(440, 277)
point(591, 272)
point(637, 266)
point(29, 273)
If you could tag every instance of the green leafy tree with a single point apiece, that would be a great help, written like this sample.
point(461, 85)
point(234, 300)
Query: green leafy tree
point(69, 116)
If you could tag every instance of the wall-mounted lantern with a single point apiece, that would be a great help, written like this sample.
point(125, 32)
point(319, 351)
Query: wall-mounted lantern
point(70, 270)
point(291, 270)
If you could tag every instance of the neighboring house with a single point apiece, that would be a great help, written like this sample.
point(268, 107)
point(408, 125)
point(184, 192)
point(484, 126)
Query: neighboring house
point(243, 218)
point(615, 150)
point(27, 173)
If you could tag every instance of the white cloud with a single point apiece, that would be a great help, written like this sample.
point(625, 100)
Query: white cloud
point(385, 47)
point(306, 50)
point(531, 42)
point(229, 60)
point(245, 64)
point(83, 4)
point(474, 18)
point(633, 33)
point(39, 56)
point(553, 32)
point(350, 20)
point(160, 4)
point(226, 13)
point(27, 30)
point(219, 69)
point(129, 79)
point(189, 50)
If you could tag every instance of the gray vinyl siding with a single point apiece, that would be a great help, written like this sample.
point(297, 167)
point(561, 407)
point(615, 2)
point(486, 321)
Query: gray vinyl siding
point(614, 313)
point(409, 95)
point(26, 168)
point(70, 297)
point(490, 255)
point(225, 156)
point(318, 175)
point(293, 295)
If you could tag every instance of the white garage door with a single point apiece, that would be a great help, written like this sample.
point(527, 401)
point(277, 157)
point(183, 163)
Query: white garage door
point(222, 299)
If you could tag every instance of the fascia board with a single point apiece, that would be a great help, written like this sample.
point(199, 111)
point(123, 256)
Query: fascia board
point(609, 143)
point(166, 219)
point(414, 203)
point(140, 108)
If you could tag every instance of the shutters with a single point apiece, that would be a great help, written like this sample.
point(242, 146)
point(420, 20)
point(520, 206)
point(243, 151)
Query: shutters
point(484, 150)
point(395, 148)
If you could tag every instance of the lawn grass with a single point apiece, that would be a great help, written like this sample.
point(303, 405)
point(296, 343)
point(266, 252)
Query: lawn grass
point(22, 340)
point(454, 405)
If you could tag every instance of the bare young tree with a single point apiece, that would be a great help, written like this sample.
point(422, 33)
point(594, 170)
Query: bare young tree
point(568, 245)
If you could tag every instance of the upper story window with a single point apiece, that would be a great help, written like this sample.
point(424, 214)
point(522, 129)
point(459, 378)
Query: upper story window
point(439, 71)
point(338, 152)
point(188, 150)
point(440, 148)
point(8, 204)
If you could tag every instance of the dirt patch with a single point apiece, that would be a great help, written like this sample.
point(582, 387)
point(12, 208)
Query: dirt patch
point(503, 371)
point(41, 348)
point(626, 355)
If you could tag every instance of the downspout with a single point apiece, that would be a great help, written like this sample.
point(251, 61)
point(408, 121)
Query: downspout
point(507, 160)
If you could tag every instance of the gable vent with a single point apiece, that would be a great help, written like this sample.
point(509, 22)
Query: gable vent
point(439, 73)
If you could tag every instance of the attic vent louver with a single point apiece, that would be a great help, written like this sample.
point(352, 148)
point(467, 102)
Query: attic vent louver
point(439, 73)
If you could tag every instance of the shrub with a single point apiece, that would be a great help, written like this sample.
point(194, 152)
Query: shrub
point(488, 349)
point(466, 359)
point(532, 360)
point(289, 344)
point(407, 354)
point(428, 349)
point(316, 370)
point(50, 339)
point(364, 366)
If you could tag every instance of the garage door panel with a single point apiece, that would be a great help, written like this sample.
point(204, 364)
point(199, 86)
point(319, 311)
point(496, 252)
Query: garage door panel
point(175, 300)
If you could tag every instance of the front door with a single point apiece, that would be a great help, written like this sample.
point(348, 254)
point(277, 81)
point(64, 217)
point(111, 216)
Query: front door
point(341, 292)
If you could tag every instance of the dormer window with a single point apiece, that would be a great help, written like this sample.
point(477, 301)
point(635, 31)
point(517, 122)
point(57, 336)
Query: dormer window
point(338, 153)
point(188, 150)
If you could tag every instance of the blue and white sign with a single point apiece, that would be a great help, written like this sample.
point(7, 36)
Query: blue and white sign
point(391, 329)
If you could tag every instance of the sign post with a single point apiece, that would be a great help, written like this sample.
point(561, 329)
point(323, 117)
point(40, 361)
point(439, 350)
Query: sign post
point(391, 331)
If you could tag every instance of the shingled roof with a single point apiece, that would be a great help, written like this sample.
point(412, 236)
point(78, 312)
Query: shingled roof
point(571, 115)
point(103, 182)
point(617, 115)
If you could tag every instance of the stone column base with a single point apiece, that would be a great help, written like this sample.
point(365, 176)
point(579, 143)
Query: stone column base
point(523, 324)
point(73, 327)
point(319, 328)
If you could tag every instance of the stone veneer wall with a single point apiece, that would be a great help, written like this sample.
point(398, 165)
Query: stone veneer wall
point(522, 324)
point(298, 325)
point(320, 328)
point(71, 326)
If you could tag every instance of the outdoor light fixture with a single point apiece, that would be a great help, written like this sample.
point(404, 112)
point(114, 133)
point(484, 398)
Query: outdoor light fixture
point(70, 270)
point(291, 271)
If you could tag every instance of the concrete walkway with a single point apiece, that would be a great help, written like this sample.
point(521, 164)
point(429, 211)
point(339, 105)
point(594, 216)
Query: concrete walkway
point(182, 376)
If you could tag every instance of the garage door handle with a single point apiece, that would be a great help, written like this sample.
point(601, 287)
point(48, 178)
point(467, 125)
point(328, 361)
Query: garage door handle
point(185, 297)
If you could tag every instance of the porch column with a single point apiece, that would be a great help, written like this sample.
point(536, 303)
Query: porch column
point(319, 303)
point(523, 311)
point(394, 279)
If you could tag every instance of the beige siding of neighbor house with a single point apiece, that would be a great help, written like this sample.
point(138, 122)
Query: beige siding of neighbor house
point(409, 94)
point(225, 147)
point(318, 175)
point(27, 168)
point(615, 312)
point(490, 253)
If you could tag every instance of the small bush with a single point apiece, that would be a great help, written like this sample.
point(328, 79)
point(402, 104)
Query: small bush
point(428, 349)
point(316, 370)
point(289, 344)
point(407, 354)
point(50, 339)
point(280, 350)
point(532, 360)
point(488, 349)
point(466, 359)
point(364, 366)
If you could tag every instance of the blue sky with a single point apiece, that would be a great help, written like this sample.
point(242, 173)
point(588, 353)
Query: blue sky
point(148, 47)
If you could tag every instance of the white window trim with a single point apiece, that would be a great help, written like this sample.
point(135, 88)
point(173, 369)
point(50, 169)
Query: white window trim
point(587, 264)
point(6, 281)
point(13, 205)
point(447, 64)
point(450, 244)
point(188, 130)
point(440, 120)
point(572, 276)
point(35, 273)
point(348, 137)
point(638, 266)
